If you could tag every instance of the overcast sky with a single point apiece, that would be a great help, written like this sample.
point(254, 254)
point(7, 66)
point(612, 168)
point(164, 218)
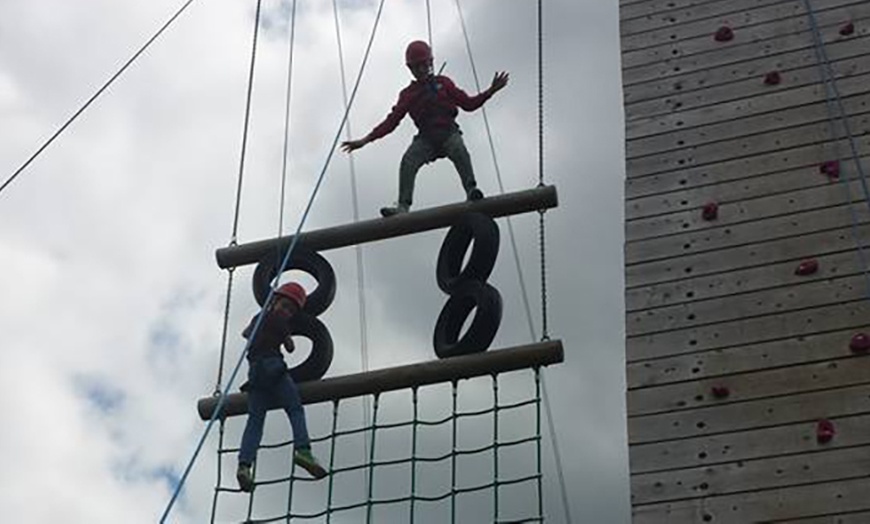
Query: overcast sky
point(111, 304)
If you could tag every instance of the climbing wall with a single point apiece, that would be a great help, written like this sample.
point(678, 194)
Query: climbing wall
point(746, 293)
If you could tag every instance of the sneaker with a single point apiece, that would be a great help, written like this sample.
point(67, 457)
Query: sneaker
point(397, 209)
point(475, 194)
point(245, 478)
point(304, 459)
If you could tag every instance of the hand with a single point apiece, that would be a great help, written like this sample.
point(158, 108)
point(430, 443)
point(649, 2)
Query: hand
point(352, 145)
point(499, 81)
point(289, 346)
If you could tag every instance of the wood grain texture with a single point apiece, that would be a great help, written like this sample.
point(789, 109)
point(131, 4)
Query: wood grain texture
point(847, 315)
point(828, 193)
point(746, 233)
point(782, 504)
point(791, 249)
point(743, 80)
point(679, 211)
point(690, 123)
point(741, 281)
point(847, 370)
point(823, 465)
point(787, 439)
point(753, 25)
point(757, 414)
point(805, 158)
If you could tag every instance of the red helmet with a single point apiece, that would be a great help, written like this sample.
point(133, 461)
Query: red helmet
point(294, 292)
point(418, 52)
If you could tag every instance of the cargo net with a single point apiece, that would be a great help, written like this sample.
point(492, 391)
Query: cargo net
point(449, 452)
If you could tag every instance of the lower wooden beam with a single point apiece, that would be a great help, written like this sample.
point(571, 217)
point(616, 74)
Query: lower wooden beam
point(537, 199)
point(403, 377)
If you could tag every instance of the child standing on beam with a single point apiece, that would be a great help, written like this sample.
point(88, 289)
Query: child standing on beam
point(432, 101)
point(270, 383)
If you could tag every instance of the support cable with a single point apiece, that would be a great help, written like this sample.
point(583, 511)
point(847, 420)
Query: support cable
point(358, 249)
point(284, 263)
point(834, 104)
point(525, 298)
point(429, 26)
point(541, 228)
point(285, 158)
point(96, 95)
point(231, 271)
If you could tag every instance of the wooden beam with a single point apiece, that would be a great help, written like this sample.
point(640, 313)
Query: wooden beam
point(540, 198)
point(403, 377)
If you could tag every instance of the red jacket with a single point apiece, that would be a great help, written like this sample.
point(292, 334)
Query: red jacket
point(432, 104)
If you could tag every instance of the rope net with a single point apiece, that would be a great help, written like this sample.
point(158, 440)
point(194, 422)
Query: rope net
point(449, 452)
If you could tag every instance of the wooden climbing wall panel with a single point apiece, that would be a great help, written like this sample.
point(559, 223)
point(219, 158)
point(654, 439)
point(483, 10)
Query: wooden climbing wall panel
point(746, 400)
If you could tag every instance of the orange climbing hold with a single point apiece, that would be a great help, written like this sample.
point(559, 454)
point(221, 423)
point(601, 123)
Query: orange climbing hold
point(825, 431)
point(860, 343)
point(724, 34)
point(807, 267)
point(710, 211)
point(772, 78)
point(830, 168)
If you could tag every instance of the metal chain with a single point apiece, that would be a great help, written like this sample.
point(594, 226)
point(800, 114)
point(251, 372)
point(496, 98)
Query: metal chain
point(542, 239)
point(225, 330)
point(246, 126)
point(545, 335)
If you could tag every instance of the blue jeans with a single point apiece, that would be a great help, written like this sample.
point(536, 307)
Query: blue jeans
point(271, 385)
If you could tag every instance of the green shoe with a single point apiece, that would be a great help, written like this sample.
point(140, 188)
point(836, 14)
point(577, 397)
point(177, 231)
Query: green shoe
point(304, 459)
point(245, 478)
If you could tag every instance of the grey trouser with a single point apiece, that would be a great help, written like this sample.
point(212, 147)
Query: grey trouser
point(422, 151)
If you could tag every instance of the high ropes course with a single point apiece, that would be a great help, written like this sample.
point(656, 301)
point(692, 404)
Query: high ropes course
point(465, 329)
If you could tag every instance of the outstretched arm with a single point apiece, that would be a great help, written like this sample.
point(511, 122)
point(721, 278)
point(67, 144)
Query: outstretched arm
point(470, 103)
point(383, 129)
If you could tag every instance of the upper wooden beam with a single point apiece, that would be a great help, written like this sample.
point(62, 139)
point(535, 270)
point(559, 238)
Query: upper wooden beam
point(404, 377)
point(540, 198)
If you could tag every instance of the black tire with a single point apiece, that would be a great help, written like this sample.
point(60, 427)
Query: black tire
point(305, 260)
point(320, 358)
point(483, 231)
point(483, 328)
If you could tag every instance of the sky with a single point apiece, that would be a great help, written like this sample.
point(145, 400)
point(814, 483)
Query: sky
point(112, 305)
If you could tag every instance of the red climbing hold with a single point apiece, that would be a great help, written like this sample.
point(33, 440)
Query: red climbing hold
point(772, 78)
point(721, 391)
point(807, 267)
point(724, 34)
point(847, 29)
point(825, 431)
point(710, 211)
point(860, 343)
point(830, 168)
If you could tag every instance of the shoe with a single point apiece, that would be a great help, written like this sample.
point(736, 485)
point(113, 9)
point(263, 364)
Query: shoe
point(245, 478)
point(397, 209)
point(304, 459)
point(475, 194)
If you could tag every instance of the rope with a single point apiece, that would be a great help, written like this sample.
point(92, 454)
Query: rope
point(331, 465)
point(832, 97)
point(541, 229)
point(96, 95)
point(285, 153)
point(289, 252)
point(358, 249)
point(371, 467)
point(233, 239)
point(429, 27)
